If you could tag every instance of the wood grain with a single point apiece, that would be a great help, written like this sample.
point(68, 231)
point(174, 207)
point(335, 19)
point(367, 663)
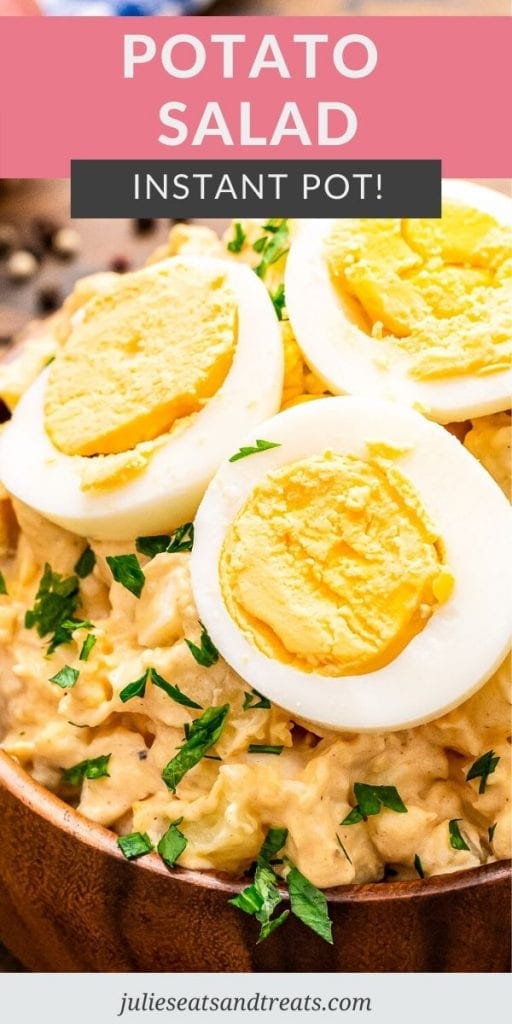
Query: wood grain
point(70, 902)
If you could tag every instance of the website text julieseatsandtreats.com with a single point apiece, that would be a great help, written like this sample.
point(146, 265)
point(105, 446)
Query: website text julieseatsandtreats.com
point(258, 1002)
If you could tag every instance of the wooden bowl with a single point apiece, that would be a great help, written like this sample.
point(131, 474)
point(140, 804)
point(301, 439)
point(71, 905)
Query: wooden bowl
point(69, 901)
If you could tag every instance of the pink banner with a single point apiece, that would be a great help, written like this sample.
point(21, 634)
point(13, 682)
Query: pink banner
point(239, 87)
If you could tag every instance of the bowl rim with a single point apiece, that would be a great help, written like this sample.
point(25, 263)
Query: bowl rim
point(51, 808)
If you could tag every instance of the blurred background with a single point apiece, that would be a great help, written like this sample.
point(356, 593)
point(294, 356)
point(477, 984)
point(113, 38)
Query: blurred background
point(282, 7)
point(43, 252)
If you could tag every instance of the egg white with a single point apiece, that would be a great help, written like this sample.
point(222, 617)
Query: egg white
point(168, 490)
point(329, 333)
point(465, 639)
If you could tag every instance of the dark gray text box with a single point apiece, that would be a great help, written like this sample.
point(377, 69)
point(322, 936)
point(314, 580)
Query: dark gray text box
point(255, 188)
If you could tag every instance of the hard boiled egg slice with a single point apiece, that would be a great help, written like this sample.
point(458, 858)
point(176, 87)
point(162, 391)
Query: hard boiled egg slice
point(121, 434)
point(359, 574)
point(418, 311)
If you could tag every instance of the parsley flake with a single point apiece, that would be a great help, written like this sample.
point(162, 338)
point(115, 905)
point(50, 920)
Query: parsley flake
point(201, 734)
point(308, 903)
point(262, 897)
point(482, 768)
point(135, 689)
point(181, 540)
point(371, 799)
point(85, 563)
point(273, 247)
point(87, 647)
point(126, 570)
point(206, 654)
point(273, 843)
point(418, 866)
point(137, 844)
point(342, 848)
point(491, 830)
point(172, 844)
point(173, 692)
point(93, 768)
point(54, 605)
point(260, 446)
point(260, 244)
point(66, 677)
point(3, 586)
point(278, 299)
point(138, 689)
point(68, 627)
point(457, 841)
point(237, 242)
point(264, 748)
point(254, 700)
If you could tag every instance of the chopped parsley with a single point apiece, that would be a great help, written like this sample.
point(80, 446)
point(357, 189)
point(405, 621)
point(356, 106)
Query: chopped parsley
point(261, 899)
point(126, 570)
point(260, 243)
point(3, 586)
point(93, 768)
point(273, 844)
point(87, 647)
point(138, 689)
point(181, 540)
point(457, 841)
point(135, 689)
point(173, 692)
point(172, 844)
point(54, 605)
point(308, 903)
point(482, 768)
point(260, 446)
point(254, 700)
point(418, 866)
point(135, 845)
point(85, 563)
point(342, 848)
point(273, 246)
point(272, 225)
point(206, 654)
point(201, 734)
point(491, 830)
point(68, 627)
point(279, 301)
point(66, 677)
point(371, 799)
point(237, 242)
point(264, 748)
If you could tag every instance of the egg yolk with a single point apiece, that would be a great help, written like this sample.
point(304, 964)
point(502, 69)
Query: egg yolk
point(333, 565)
point(150, 351)
point(441, 290)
